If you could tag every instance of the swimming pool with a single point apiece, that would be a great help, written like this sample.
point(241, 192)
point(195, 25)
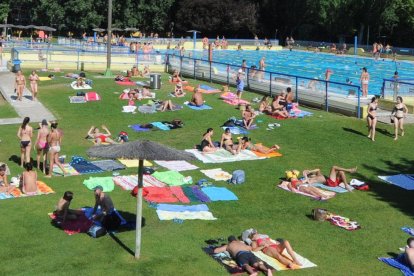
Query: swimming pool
point(314, 65)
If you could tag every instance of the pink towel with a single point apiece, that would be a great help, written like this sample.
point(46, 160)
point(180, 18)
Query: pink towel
point(179, 193)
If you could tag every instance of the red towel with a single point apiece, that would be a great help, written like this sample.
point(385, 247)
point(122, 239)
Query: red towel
point(179, 193)
point(126, 83)
point(81, 225)
point(159, 195)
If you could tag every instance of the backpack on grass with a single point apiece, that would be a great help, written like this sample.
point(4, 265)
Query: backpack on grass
point(238, 177)
point(96, 231)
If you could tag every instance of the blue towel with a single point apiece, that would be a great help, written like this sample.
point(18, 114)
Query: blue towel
point(404, 181)
point(219, 193)
point(203, 107)
point(108, 165)
point(83, 166)
point(160, 125)
point(5, 196)
point(182, 208)
point(399, 263)
point(237, 130)
point(304, 114)
point(408, 230)
point(89, 210)
point(329, 188)
point(206, 87)
point(138, 128)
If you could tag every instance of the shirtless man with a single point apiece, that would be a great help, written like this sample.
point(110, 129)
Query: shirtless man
point(262, 67)
point(62, 209)
point(336, 177)
point(28, 180)
point(243, 256)
point(4, 183)
point(197, 98)
point(34, 78)
point(20, 84)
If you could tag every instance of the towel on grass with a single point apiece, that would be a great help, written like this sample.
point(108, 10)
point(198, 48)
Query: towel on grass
point(408, 230)
point(83, 166)
point(336, 189)
point(159, 195)
point(147, 109)
point(217, 174)
point(343, 222)
point(222, 156)
point(172, 178)
point(279, 266)
point(139, 128)
point(267, 155)
point(219, 193)
point(202, 197)
point(126, 182)
point(42, 189)
point(286, 188)
point(188, 191)
point(108, 165)
point(404, 181)
point(160, 126)
point(126, 83)
point(205, 89)
point(179, 193)
point(85, 86)
point(203, 107)
point(129, 108)
point(77, 99)
point(71, 227)
point(89, 212)
point(44, 79)
point(106, 182)
point(237, 130)
point(68, 168)
point(182, 208)
point(177, 165)
point(133, 163)
point(186, 215)
point(399, 263)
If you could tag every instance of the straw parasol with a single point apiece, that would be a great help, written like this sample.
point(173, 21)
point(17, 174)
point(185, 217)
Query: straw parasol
point(131, 29)
point(141, 150)
point(117, 29)
point(99, 30)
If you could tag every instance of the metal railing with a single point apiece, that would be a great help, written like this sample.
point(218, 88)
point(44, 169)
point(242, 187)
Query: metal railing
point(326, 95)
point(391, 88)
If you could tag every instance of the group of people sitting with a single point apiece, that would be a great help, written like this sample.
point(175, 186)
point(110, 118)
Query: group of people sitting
point(252, 241)
point(27, 183)
point(280, 105)
point(135, 72)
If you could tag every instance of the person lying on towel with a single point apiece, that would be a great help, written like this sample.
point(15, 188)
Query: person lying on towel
point(274, 249)
point(197, 98)
point(242, 254)
point(100, 137)
point(63, 212)
point(336, 176)
point(246, 143)
point(80, 82)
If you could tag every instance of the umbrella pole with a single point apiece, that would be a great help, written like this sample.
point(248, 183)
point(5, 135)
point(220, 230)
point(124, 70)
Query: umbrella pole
point(139, 210)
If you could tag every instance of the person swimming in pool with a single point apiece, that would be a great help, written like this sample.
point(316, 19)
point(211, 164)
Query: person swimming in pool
point(99, 136)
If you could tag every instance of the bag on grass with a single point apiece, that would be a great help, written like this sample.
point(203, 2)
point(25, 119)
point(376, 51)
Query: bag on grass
point(96, 231)
point(238, 177)
point(319, 214)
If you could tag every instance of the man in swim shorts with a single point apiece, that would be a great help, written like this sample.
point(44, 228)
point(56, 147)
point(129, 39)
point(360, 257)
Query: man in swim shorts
point(197, 98)
point(243, 256)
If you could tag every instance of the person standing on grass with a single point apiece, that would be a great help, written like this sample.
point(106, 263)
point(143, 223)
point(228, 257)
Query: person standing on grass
point(20, 84)
point(34, 79)
point(54, 140)
point(42, 145)
point(397, 116)
point(372, 118)
point(240, 83)
point(25, 134)
point(364, 82)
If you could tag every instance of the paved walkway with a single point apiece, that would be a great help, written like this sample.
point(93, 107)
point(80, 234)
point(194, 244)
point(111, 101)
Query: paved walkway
point(384, 117)
point(25, 108)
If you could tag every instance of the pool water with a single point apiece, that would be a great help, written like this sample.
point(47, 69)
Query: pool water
point(314, 65)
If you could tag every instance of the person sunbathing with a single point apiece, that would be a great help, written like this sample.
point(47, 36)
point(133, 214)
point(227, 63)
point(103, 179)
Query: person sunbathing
point(165, 105)
point(264, 106)
point(28, 181)
point(135, 71)
point(72, 75)
point(146, 71)
point(100, 137)
point(5, 187)
point(242, 254)
point(409, 253)
point(176, 77)
point(274, 249)
point(278, 108)
point(245, 143)
point(63, 212)
point(178, 91)
point(197, 98)
point(336, 176)
point(248, 116)
point(227, 142)
point(145, 92)
point(207, 144)
point(307, 188)
point(80, 82)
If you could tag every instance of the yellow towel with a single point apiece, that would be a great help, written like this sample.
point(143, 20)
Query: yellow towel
point(44, 78)
point(133, 163)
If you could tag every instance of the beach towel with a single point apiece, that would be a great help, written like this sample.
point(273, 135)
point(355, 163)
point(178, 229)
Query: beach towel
point(222, 156)
point(80, 225)
point(236, 102)
point(205, 89)
point(343, 222)
point(172, 178)
point(126, 182)
point(147, 109)
point(133, 163)
point(139, 128)
point(188, 191)
point(182, 208)
point(106, 182)
point(85, 86)
point(186, 215)
point(219, 193)
point(228, 96)
point(272, 262)
point(177, 165)
point(108, 165)
point(217, 174)
point(203, 107)
point(267, 155)
point(89, 212)
point(92, 96)
point(202, 197)
point(236, 130)
point(336, 189)
point(179, 193)
point(68, 168)
point(160, 126)
point(143, 83)
point(42, 189)
point(129, 109)
point(225, 260)
point(44, 79)
point(405, 181)
point(83, 166)
point(286, 188)
point(77, 99)
point(126, 83)
point(408, 230)
point(159, 195)
point(399, 263)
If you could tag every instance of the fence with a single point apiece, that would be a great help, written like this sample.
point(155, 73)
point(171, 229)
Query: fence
point(392, 88)
point(327, 95)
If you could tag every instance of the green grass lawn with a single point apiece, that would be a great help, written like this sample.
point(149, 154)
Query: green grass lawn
point(6, 110)
point(31, 243)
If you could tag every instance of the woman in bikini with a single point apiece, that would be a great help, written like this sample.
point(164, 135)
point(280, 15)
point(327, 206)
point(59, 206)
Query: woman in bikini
point(165, 105)
point(372, 118)
point(176, 77)
point(5, 187)
point(246, 143)
point(25, 134)
point(227, 142)
point(41, 144)
point(20, 84)
point(278, 106)
point(398, 113)
point(34, 78)
point(364, 82)
point(54, 141)
point(100, 137)
point(274, 249)
point(264, 106)
point(178, 91)
point(206, 144)
point(306, 187)
point(248, 116)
